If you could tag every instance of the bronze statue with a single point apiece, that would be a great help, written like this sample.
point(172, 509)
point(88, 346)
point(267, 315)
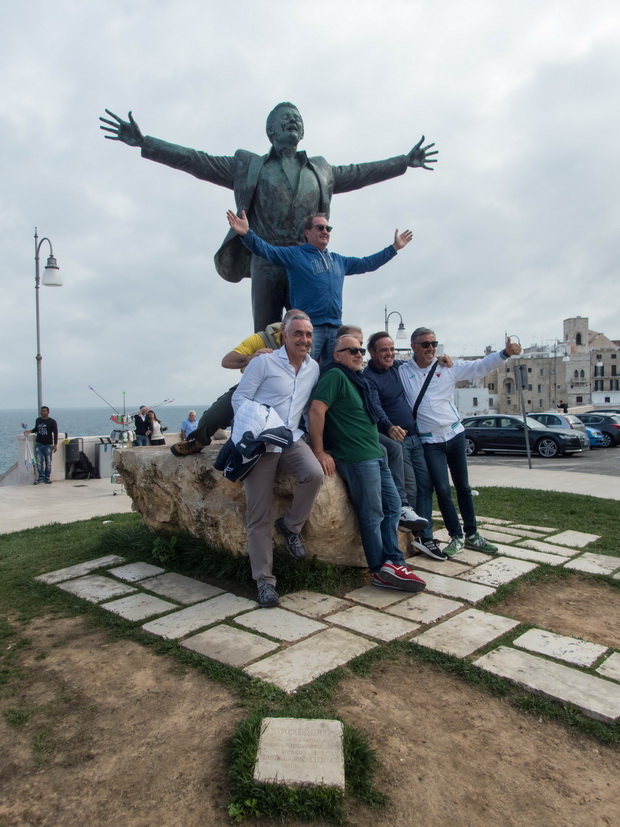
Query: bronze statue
point(277, 191)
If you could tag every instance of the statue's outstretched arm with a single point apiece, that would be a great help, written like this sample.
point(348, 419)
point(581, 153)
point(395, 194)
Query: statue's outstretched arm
point(126, 131)
point(420, 155)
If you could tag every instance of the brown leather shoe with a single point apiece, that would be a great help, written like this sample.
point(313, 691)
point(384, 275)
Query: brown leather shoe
point(184, 449)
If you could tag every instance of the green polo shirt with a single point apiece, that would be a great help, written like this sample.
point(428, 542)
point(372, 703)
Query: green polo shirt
point(352, 436)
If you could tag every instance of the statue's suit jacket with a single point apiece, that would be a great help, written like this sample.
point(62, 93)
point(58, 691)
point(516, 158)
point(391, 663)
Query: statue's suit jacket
point(240, 173)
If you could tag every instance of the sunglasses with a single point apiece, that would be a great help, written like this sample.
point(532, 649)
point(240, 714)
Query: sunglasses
point(353, 350)
point(322, 227)
point(426, 345)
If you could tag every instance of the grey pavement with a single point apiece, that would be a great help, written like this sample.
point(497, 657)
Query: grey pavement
point(27, 506)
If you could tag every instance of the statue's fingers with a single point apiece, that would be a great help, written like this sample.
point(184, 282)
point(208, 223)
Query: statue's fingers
point(112, 115)
point(111, 126)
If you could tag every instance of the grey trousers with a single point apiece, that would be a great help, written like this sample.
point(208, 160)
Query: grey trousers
point(300, 463)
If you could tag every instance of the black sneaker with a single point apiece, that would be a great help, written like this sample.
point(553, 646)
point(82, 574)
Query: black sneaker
point(430, 548)
point(268, 597)
point(184, 449)
point(292, 541)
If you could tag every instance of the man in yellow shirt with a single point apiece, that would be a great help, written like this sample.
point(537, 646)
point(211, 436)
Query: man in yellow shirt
point(220, 414)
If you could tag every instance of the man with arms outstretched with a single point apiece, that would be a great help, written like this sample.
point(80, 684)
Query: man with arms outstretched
point(277, 191)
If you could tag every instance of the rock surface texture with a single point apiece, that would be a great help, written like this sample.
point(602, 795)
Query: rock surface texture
point(189, 495)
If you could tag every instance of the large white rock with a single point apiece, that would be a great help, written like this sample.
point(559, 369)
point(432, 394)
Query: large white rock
point(189, 495)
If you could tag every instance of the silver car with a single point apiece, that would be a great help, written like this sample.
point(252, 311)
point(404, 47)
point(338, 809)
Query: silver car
point(553, 419)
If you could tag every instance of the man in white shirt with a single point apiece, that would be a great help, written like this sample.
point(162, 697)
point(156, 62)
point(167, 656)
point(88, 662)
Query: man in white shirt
point(282, 380)
point(442, 435)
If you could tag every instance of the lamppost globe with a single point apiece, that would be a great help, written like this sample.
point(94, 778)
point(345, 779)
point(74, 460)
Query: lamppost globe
point(401, 333)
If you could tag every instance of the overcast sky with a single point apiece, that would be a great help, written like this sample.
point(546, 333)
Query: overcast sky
point(515, 230)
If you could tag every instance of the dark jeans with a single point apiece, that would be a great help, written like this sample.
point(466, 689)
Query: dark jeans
point(377, 506)
point(441, 456)
point(323, 340)
point(43, 457)
point(140, 441)
point(219, 415)
point(420, 493)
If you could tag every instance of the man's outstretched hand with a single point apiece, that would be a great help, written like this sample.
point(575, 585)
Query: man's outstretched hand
point(126, 131)
point(240, 225)
point(401, 239)
point(420, 155)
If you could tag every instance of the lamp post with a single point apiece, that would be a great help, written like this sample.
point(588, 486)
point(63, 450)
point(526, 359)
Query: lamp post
point(565, 358)
point(51, 278)
point(400, 333)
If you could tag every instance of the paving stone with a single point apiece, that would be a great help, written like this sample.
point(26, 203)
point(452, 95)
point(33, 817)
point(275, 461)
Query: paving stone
point(180, 588)
point(377, 598)
point(569, 649)
point(594, 563)
point(499, 536)
point(182, 623)
point(611, 667)
point(463, 634)
point(530, 554)
point(495, 520)
point(616, 576)
point(372, 623)
point(300, 751)
point(449, 587)
point(424, 608)
point(596, 697)
point(549, 548)
point(313, 604)
point(80, 569)
point(139, 606)
point(280, 624)
point(578, 539)
point(448, 567)
point(95, 588)
point(541, 529)
point(133, 572)
point(472, 558)
point(305, 661)
point(232, 646)
point(518, 532)
point(499, 571)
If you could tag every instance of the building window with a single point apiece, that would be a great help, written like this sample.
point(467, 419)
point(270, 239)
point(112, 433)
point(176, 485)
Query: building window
point(613, 355)
point(579, 399)
point(614, 384)
point(491, 386)
point(582, 374)
point(542, 371)
point(529, 387)
point(509, 387)
point(576, 374)
point(598, 384)
point(613, 370)
point(578, 339)
point(540, 403)
point(529, 370)
point(539, 388)
point(475, 401)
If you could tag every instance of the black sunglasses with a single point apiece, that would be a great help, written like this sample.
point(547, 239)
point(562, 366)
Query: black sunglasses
point(353, 350)
point(426, 345)
point(322, 227)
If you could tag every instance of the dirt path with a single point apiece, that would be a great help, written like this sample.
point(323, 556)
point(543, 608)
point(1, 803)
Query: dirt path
point(126, 737)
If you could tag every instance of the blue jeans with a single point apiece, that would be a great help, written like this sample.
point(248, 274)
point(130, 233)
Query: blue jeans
point(43, 457)
point(141, 440)
point(377, 506)
point(420, 492)
point(323, 339)
point(439, 457)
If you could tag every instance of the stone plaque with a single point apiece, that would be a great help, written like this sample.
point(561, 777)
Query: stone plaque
point(295, 751)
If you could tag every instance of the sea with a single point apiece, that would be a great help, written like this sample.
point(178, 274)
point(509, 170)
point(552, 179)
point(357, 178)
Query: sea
point(76, 422)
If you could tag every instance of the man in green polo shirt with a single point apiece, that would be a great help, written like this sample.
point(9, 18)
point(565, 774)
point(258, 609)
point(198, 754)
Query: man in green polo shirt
point(341, 407)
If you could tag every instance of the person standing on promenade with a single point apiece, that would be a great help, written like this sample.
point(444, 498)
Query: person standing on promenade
point(45, 444)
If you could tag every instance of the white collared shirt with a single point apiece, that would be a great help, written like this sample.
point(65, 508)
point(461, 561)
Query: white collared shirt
point(270, 379)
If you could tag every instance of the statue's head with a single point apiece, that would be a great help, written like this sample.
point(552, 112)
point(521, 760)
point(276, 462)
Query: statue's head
point(285, 126)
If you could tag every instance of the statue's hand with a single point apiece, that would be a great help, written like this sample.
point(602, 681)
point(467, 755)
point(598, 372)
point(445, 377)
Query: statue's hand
point(126, 131)
point(420, 156)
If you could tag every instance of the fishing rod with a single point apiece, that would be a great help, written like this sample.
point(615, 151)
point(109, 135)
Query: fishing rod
point(90, 387)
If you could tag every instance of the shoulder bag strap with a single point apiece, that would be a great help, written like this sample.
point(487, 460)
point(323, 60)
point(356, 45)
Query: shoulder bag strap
point(423, 389)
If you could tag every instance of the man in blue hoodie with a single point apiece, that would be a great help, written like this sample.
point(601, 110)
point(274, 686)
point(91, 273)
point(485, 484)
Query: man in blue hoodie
point(316, 275)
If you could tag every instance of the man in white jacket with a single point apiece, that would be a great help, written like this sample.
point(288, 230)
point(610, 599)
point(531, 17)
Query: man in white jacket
point(442, 434)
point(282, 380)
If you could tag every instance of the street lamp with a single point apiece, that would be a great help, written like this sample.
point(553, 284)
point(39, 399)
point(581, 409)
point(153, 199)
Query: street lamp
point(565, 358)
point(51, 278)
point(400, 333)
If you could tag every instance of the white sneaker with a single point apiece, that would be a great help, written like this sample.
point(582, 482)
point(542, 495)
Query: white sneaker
point(407, 513)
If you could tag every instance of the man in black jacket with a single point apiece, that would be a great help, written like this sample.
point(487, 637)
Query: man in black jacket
point(46, 444)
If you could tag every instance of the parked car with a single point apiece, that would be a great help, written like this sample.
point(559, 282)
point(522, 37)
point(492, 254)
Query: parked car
point(605, 410)
point(595, 436)
point(500, 432)
point(554, 419)
point(609, 424)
